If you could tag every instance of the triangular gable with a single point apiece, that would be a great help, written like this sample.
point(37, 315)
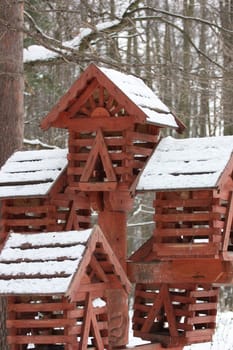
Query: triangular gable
point(99, 151)
point(96, 238)
point(121, 87)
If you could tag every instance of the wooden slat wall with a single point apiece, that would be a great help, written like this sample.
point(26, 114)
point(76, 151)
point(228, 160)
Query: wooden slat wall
point(188, 224)
point(177, 314)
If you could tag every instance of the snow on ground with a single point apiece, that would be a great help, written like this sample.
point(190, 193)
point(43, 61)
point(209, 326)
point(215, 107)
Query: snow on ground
point(222, 340)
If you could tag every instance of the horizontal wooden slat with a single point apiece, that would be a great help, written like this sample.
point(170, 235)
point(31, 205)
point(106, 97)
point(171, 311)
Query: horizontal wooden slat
point(28, 222)
point(203, 306)
point(140, 150)
point(98, 186)
point(142, 307)
point(143, 137)
point(42, 323)
point(75, 330)
point(176, 232)
point(205, 293)
point(185, 249)
point(194, 217)
point(106, 124)
point(202, 319)
point(39, 339)
point(87, 142)
point(183, 203)
point(28, 209)
point(34, 307)
point(200, 335)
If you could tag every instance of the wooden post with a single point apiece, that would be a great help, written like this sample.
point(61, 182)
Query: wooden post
point(113, 225)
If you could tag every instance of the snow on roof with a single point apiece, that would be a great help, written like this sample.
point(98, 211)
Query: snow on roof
point(186, 163)
point(41, 263)
point(141, 95)
point(30, 173)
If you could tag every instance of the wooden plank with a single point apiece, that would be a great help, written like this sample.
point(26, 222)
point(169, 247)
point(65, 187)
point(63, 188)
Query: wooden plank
point(139, 150)
point(80, 142)
point(93, 124)
point(202, 270)
point(183, 203)
point(182, 250)
point(154, 310)
point(228, 223)
point(75, 330)
point(82, 98)
point(38, 339)
point(193, 217)
point(176, 232)
point(29, 222)
point(200, 335)
point(143, 137)
point(86, 322)
point(28, 209)
point(97, 268)
point(35, 307)
point(169, 309)
point(203, 306)
point(95, 186)
point(209, 293)
point(42, 323)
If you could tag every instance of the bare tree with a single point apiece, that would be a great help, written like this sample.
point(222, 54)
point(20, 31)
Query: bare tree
point(11, 77)
point(11, 98)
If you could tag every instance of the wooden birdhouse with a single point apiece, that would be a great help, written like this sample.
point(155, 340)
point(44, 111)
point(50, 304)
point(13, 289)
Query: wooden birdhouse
point(193, 183)
point(33, 194)
point(190, 251)
point(58, 286)
point(114, 122)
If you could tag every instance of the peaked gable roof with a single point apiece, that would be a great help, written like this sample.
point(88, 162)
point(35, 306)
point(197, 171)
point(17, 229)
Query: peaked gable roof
point(141, 100)
point(31, 173)
point(47, 263)
point(186, 163)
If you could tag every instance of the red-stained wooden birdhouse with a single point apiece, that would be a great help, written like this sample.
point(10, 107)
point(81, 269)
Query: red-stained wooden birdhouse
point(59, 287)
point(33, 197)
point(190, 251)
point(114, 121)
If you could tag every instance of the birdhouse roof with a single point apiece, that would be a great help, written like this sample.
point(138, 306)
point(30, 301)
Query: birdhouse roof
point(193, 163)
point(47, 263)
point(31, 173)
point(131, 92)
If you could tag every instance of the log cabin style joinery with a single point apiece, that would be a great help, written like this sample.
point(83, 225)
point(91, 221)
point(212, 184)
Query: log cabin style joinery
point(114, 121)
point(178, 270)
point(57, 286)
point(33, 194)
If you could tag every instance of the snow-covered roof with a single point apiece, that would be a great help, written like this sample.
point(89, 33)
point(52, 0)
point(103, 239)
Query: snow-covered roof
point(186, 163)
point(31, 173)
point(140, 94)
point(41, 263)
point(54, 262)
point(128, 90)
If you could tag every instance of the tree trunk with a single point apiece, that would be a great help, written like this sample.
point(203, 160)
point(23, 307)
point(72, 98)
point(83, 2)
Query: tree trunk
point(11, 77)
point(11, 98)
